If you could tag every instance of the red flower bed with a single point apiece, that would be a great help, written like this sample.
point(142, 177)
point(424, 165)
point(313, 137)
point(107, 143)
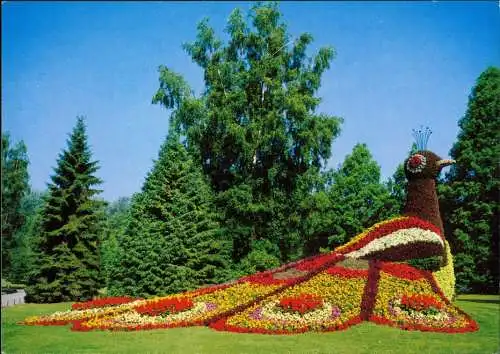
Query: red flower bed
point(109, 301)
point(420, 302)
point(302, 303)
point(166, 306)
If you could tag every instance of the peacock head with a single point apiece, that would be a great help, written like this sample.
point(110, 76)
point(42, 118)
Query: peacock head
point(425, 164)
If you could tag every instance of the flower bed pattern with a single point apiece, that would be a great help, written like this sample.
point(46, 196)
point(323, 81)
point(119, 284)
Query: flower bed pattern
point(328, 292)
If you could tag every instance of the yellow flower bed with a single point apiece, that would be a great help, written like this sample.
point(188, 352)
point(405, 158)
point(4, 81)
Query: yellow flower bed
point(341, 302)
point(445, 276)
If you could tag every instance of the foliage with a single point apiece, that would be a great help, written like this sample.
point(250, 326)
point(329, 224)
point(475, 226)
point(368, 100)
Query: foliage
point(255, 130)
point(470, 194)
point(351, 201)
point(397, 187)
point(117, 216)
point(67, 257)
point(23, 252)
point(172, 240)
point(15, 185)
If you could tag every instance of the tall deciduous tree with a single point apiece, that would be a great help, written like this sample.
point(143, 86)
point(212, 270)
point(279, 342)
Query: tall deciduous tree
point(470, 195)
point(255, 130)
point(172, 241)
point(71, 224)
point(15, 185)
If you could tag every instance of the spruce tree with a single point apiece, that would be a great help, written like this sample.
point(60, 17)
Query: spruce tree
point(172, 241)
point(15, 185)
point(67, 267)
point(470, 195)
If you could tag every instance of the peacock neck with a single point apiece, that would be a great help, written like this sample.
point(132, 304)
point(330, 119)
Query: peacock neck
point(422, 201)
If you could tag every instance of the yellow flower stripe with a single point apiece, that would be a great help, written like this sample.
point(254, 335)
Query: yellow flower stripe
point(445, 276)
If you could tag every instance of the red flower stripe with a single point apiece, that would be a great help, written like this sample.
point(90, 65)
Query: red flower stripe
point(318, 261)
point(386, 229)
point(347, 272)
point(108, 301)
point(173, 305)
point(401, 270)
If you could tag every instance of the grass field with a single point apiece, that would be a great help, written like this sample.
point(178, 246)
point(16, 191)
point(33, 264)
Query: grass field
point(364, 338)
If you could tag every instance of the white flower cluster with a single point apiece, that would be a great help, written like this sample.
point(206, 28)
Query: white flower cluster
point(397, 238)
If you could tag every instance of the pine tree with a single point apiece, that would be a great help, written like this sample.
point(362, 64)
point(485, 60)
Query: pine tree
point(470, 195)
point(351, 201)
point(67, 267)
point(172, 241)
point(255, 130)
point(15, 185)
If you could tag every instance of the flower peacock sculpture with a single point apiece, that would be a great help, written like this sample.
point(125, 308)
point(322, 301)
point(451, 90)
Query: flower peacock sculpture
point(367, 279)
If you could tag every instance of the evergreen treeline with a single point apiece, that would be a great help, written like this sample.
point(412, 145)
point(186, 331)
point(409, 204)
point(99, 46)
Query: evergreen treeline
point(240, 183)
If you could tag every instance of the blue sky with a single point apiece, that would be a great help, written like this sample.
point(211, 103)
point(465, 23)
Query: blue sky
point(398, 65)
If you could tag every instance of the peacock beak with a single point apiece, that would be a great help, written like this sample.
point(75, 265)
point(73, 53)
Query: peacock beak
point(445, 162)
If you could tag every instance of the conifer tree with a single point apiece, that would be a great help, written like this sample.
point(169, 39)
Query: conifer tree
point(470, 196)
point(15, 185)
point(172, 241)
point(67, 267)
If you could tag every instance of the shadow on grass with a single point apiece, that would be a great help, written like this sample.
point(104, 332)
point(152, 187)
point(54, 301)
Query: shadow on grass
point(483, 301)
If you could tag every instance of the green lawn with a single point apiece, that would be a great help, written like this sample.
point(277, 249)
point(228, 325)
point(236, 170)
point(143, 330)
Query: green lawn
point(364, 338)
